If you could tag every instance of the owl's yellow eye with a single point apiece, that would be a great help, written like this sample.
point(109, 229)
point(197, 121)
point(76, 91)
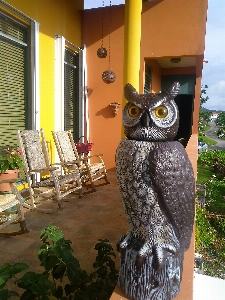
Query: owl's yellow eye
point(134, 111)
point(161, 111)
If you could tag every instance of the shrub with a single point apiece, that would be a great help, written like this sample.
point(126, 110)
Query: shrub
point(210, 242)
point(62, 277)
point(215, 191)
point(207, 158)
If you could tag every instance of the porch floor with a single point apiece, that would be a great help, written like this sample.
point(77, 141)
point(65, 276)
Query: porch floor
point(98, 215)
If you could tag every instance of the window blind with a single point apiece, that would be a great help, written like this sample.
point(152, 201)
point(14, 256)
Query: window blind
point(71, 92)
point(13, 60)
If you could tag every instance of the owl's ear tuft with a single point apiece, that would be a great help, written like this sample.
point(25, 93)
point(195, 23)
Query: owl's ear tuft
point(173, 90)
point(130, 92)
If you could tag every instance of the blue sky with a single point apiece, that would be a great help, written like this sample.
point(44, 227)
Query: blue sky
point(214, 70)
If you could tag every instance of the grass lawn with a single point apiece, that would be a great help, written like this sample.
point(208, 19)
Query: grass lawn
point(204, 174)
point(207, 127)
point(207, 140)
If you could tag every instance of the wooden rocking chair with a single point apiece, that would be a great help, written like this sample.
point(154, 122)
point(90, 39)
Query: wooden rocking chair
point(11, 209)
point(89, 172)
point(36, 158)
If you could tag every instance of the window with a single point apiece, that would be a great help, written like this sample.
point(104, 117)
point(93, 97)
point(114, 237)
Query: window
point(71, 92)
point(147, 86)
point(69, 87)
point(17, 84)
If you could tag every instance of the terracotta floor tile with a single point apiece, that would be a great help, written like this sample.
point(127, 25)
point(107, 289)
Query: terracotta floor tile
point(83, 221)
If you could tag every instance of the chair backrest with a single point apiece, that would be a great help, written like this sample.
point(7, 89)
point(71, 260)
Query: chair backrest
point(65, 146)
point(34, 148)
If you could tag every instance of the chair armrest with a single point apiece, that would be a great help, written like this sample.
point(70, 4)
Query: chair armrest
point(67, 163)
point(90, 156)
point(42, 170)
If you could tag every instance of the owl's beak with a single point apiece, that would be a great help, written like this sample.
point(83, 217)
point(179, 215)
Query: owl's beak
point(146, 119)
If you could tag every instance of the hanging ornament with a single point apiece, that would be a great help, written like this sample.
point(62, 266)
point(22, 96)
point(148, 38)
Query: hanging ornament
point(102, 52)
point(109, 76)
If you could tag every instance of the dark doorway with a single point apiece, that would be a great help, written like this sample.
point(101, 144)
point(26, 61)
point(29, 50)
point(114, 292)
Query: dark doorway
point(185, 105)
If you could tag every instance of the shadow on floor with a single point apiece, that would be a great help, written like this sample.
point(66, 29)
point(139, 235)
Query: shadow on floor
point(99, 215)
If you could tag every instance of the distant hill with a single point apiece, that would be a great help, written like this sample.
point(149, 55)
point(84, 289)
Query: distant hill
point(205, 109)
point(211, 110)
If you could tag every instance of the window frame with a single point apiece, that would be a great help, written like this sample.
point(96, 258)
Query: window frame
point(32, 112)
point(60, 45)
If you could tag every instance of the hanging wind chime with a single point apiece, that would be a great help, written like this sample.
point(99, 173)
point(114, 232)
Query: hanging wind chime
point(102, 52)
point(109, 76)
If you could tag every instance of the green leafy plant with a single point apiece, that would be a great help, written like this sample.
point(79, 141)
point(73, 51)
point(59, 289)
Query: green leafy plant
point(210, 242)
point(62, 277)
point(10, 159)
point(215, 191)
point(207, 158)
point(210, 220)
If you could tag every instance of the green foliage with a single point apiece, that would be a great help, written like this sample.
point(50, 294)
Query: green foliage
point(62, 277)
point(221, 119)
point(211, 172)
point(10, 160)
point(203, 97)
point(210, 242)
point(105, 275)
point(207, 158)
point(204, 116)
point(210, 221)
point(215, 191)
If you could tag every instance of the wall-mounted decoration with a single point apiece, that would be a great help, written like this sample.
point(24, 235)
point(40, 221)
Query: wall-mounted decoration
point(115, 107)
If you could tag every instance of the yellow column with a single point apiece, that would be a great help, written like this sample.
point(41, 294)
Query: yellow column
point(132, 40)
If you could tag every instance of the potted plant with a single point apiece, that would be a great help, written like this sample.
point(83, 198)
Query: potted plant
point(10, 164)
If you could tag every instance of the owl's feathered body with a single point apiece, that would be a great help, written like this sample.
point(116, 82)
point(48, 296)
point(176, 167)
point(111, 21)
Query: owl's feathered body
point(156, 182)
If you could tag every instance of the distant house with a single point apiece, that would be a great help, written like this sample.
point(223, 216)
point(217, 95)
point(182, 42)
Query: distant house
point(214, 115)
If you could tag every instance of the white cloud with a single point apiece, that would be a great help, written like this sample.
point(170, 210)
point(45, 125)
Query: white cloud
point(214, 45)
point(214, 71)
point(216, 94)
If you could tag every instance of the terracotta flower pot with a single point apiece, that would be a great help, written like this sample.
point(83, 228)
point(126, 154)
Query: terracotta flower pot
point(10, 174)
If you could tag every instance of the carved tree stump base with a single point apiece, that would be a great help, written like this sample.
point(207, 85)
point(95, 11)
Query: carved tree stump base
point(144, 283)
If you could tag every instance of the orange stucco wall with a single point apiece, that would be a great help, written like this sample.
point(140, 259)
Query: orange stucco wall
point(169, 28)
point(105, 129)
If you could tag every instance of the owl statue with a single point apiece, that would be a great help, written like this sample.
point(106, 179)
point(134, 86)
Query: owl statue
point(157, 185)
